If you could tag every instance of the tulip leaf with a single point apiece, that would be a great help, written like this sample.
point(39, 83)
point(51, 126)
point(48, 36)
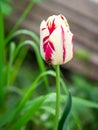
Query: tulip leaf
point(5, 7)
point(36, 104)
point(64, 118)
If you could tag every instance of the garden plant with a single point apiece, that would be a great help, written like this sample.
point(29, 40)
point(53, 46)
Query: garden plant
point(47, 102)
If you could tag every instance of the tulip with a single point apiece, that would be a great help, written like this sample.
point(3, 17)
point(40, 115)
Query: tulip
point(56, 40)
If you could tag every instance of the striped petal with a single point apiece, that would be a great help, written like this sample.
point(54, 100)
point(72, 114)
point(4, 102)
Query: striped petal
point(56, 40)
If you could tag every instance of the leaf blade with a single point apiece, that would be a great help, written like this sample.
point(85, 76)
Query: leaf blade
point(66, 112)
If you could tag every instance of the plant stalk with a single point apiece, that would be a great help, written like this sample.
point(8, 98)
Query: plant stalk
point(57, 97)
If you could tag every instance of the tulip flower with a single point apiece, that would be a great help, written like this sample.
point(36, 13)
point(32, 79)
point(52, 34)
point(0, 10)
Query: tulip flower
point(56, 40)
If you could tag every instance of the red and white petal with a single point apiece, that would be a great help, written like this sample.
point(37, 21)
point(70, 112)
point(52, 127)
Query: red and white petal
point(69, 47)
point(64, 22)
point(48, 49)
point(68, 44)
point(50, 20)
point(56, 39)
point(60, 20)
point(43, 34)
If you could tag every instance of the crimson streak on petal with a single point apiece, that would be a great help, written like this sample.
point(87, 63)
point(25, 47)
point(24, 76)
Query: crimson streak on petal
point(43, 29)
point(51, 26)
point(48, 49)
point(63, 40)
point(48, 45)
point(45, 38)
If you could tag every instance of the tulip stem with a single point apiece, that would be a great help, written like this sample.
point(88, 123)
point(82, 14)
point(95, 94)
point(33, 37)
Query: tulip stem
point(57, 68)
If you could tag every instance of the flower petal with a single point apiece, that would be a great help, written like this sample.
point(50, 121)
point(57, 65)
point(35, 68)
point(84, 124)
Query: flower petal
point(69, 46)
point(44, 33)
point(48, 49)
point(56, 39)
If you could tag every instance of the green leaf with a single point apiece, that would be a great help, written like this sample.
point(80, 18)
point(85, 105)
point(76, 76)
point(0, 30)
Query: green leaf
point(49, 109)
point(38, 57)
point(28, 94)
point(76, 120)
point(14, 89)
point(65, 114)
point(82, 102)
point(29, 113)
point(6, 117)
point(10, 63)
point(23, 32)
point(6, 8)
point(18, 62)
point(76, 101)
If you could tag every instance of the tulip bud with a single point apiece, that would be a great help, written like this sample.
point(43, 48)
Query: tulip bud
point(56, 40)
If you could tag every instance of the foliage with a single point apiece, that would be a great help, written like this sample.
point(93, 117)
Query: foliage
point(5, 7)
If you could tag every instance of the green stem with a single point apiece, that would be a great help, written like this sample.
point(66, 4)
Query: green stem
point(25, 32)
point(1, 56)
point(57, 97)
point(25, 13)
